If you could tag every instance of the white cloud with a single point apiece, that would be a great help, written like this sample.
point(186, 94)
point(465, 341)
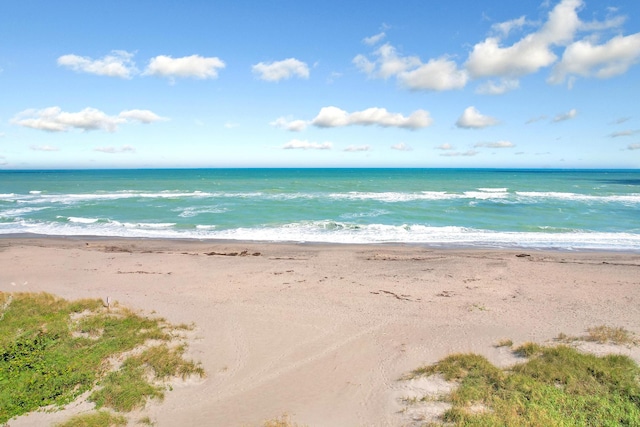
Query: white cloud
point(445, 146)
point(491, 87)
point(504, 28)
point(585, 59)
point(142, 116)
point(613, 22)
point(43, 148)
point(437, 74)
point(401, 146)
point(571, 114)
point(489, 59)
point(357, 148)
point(53, 119)
point(633, 147)
point(627, 132)
point(336, 117)
point(499, 144)
point(374, 39)
point(230, 125)
point(290, 125)
point(472, 119)
point(118, 64)
point(116, 150)
point(296, 144)
point(279, 70)
point(468, 153)
point(187, 66)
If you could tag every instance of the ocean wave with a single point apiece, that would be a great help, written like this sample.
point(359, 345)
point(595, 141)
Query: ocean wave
point(328, 231)
point(576, 197)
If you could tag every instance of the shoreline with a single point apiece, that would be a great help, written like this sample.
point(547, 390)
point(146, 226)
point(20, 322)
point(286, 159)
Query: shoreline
point(214, 241)
point(322, 331)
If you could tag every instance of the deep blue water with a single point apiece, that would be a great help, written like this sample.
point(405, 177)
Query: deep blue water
point(471, 207)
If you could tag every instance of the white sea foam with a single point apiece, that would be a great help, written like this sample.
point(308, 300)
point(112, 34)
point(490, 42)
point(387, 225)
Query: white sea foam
point(485, 195)
point(82, 220)
point(493, 190)
point(345, 232)
point(618, 198)
point(191, 212)
point(21, 211)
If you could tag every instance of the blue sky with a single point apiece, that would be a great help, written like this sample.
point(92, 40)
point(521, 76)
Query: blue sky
point(319, 84)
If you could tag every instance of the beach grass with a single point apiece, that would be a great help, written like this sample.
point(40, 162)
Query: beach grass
point(557, 385)
point(95, 419)
point(53, 350)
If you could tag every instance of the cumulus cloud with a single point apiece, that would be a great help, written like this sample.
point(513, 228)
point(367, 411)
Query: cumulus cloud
point(497, 57)
point(571, 114)
point(492, 87)
point(633, 147)
point(445, 146)
point(490, 59)
point(401, 146)
point(472, 119)
point(43, 148)
point(118, 64)
point(53, 119)
point(357, 148)
point(116, 150)
point(296, 144)
point(280, 70)
point(584, 58)
point(437, 74)
point(336, 117)
point(188, 66)
point(290, 125)
point(499, 144)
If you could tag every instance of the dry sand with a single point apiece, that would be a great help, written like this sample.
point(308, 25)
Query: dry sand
point(323, 332)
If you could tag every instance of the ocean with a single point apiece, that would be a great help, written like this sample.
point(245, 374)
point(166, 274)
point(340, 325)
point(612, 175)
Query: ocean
point(488, 208)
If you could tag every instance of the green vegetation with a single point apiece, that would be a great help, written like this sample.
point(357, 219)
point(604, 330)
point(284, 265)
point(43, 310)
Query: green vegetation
point(52, 351)
point(557, 386)
point(95, 419)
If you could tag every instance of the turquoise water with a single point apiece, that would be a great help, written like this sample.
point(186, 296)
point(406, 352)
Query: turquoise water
point(461, 207)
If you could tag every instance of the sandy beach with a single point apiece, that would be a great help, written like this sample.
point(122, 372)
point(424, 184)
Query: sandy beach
point(324, 332)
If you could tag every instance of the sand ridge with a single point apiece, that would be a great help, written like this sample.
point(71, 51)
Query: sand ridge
point(324, 332)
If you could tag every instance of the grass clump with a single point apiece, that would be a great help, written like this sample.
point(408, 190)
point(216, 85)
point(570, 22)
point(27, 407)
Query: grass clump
point(607, 334)
point(53, 350)
point(95, 419)
point(556, 386)
point(128, 388)
point(603, 334)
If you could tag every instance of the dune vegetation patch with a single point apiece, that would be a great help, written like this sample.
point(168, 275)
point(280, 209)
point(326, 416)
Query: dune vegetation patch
point(52, 351)
point(556, 385)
